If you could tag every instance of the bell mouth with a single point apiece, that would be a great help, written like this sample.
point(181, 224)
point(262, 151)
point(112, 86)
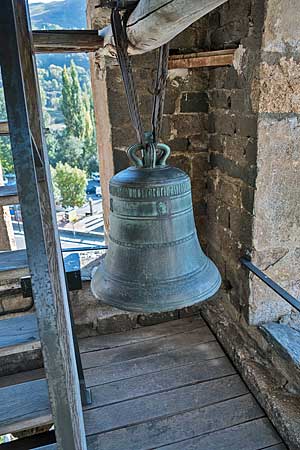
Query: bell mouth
point(157, 296)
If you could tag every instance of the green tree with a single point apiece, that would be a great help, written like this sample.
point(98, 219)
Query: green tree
point(66, 102)
point(77, 103)
point(71, 184)
point(72, 103)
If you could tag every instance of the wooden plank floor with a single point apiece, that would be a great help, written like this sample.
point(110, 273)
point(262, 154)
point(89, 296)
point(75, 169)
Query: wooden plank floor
point(168, 386)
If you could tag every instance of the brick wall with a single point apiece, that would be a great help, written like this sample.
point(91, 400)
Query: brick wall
point(233, 142)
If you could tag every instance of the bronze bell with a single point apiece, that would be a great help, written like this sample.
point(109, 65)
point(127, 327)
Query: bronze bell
point(154, 261)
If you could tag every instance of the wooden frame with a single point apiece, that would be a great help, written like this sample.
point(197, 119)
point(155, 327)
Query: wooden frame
point(41, 234)
point(89, 41)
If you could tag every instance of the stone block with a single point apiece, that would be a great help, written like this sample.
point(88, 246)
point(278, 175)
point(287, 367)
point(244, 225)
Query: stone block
point(121, 160)
point(224, 188)
point(217, 77)
point(155, 318)
point(216, 143)
point(240, 223)
point(246, 126)
point(222, 122)
point(285, 340)
point(234, 10)
point(199, 189)
point(215, 254)
point(199, 166)
point(220, 98)
point(198, 142)
point(240, 101)
point(248, 194)
point(14, 302)
point(186, 125)
point(244, 173)
point(123, 137)
point(181, 161)
point(193, 102)
point(179, 144)
point(281, 32)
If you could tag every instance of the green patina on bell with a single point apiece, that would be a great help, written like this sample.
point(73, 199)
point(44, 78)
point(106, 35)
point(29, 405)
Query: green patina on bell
point(154, 261)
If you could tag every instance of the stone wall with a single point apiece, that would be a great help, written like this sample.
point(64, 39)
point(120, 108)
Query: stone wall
point(233, 142)
point(276, 231)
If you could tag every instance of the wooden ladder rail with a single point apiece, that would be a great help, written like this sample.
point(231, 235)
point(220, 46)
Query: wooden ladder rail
point(40, 229)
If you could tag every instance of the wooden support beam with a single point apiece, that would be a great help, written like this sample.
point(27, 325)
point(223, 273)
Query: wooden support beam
point(85, 41)
point(38, 211)
point(203, 59)
point(66, 41)
point(156, 22)
point(4, 131)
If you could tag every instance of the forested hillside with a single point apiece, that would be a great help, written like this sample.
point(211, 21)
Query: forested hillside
point(66, 93)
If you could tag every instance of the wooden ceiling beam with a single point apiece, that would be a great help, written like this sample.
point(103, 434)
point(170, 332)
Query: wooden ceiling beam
point(66, 41)
point(203, 59)
point(84, 41)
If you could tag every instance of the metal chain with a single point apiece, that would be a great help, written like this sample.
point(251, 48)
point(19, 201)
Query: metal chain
point(121, 43)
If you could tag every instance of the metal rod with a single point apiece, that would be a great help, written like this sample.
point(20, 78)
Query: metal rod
point(84, 249)
point(85, 393)
point(274, 286)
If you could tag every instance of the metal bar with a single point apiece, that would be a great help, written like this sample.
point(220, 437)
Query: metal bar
point(85, 393)
point(274, 286)
point(84, 249)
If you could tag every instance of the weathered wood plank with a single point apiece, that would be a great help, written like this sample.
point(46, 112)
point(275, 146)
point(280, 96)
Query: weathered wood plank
point(129, 369)
point(24, 406)
point(38, 211)
point(4, 130)
point(22, 377)
point(8, 195)
point(155, 23)
point(104, 357)
point(203, 59)
point(138, 410)
point(255, 435)
point(165, 380)
point(18, 330)
point(32, 410)
point(153, 363)
point(13, 260)
point(66, 41)
point(140, 334)
point(159, 432)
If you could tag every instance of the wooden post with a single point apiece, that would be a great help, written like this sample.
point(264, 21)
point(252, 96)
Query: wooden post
point(41, 234)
